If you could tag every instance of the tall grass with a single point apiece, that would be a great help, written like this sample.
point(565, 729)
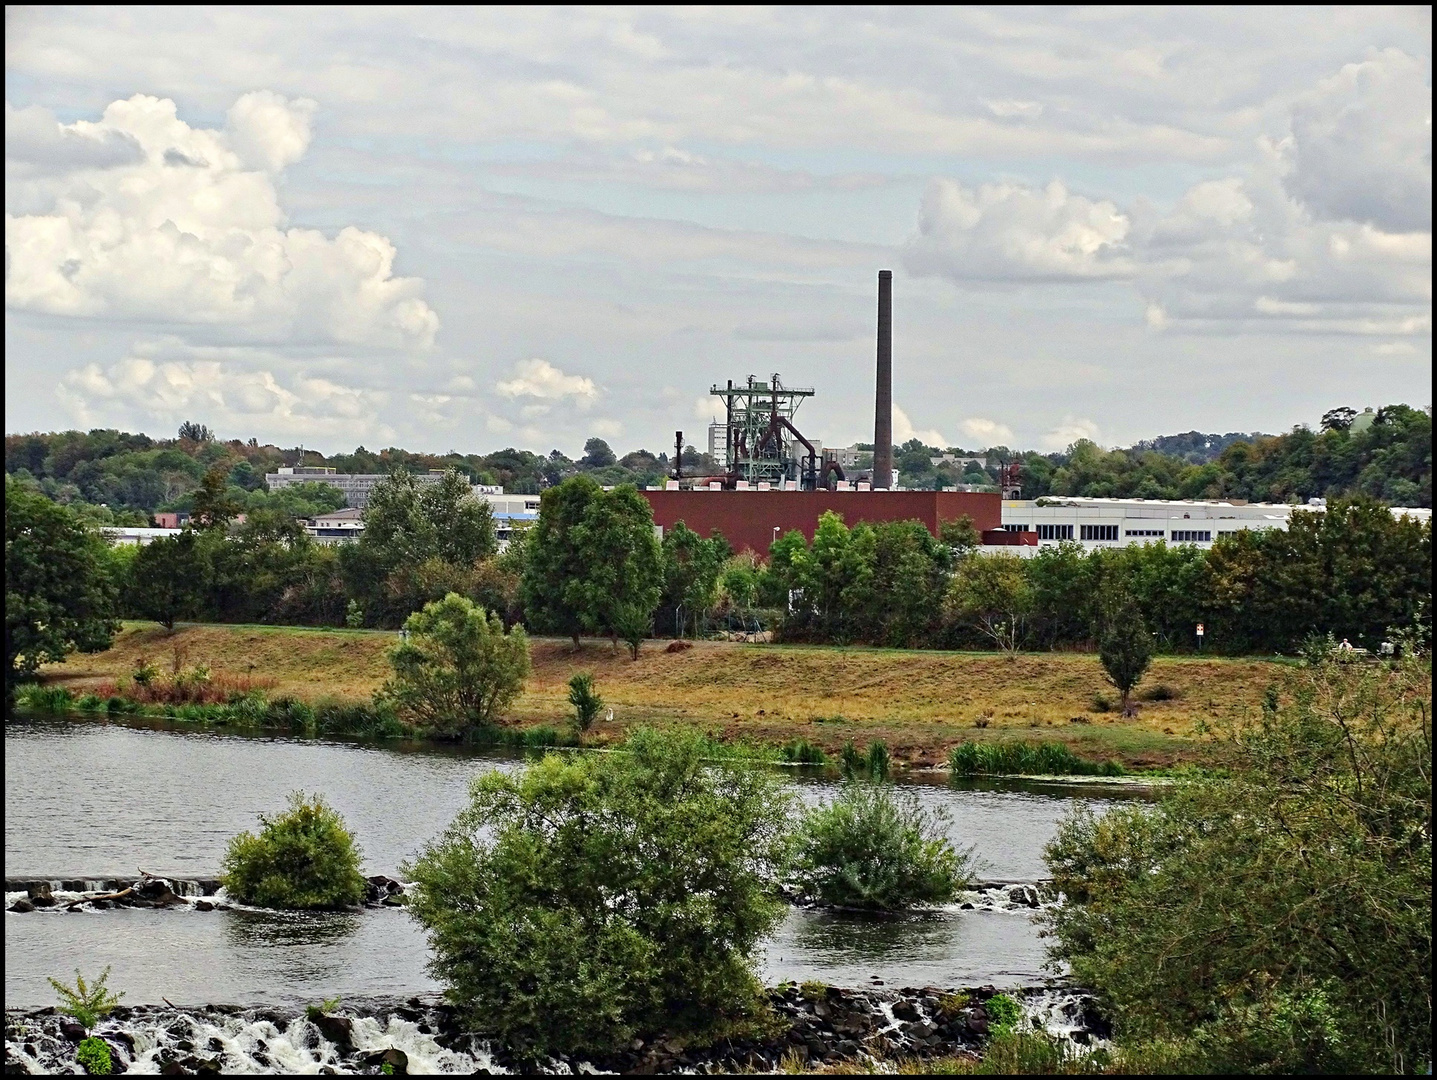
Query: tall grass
point(1021, 757)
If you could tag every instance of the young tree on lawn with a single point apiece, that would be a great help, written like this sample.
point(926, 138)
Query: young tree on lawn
point(456, 670)
point(1125, 645)
point(214, 507)
point(58, 598)
point(167, 579)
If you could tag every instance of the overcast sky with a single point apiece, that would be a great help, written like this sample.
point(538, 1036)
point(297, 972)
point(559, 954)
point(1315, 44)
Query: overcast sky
point(466, 229)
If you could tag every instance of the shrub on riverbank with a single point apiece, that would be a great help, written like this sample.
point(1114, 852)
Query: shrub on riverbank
point(878, 848)
point(1021, 758)
point(303, 859)
point(456, 668)
point(587, 900)
point(1279, 920)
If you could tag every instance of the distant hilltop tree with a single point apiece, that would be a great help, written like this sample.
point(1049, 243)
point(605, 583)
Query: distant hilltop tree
point(196, 432)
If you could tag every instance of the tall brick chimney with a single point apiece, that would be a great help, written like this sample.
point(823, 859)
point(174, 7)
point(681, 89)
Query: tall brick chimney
point(883, 400)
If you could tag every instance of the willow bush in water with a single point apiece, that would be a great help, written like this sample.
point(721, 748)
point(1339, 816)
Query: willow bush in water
point(303, 859)
point(876, 847)
point(1280, 920)
point(588, 900)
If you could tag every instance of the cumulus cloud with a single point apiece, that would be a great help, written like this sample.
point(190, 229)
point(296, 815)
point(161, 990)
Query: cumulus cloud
point(188, 230)
point(987, 432)
point(1008, 231)
point(1068, 432)
point(541, 379)
point(158, 393)
point(903, 430)
point(1361, 145)
point(38, 144)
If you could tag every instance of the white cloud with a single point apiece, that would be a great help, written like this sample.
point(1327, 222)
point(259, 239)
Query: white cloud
point(160, 393)
point(1361, 146)
point(606, 429)
point(1155, 316)
point(541, 379)
point(191, 232)
point(1007, 231)
point(903, 430)
point(1027, 110)
point(986, 433)
point(1068, 432)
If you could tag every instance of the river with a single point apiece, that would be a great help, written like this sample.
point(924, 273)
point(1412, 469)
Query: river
point(99, 799)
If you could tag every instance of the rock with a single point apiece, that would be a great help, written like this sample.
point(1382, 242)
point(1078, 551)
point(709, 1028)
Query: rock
point(102, 905)
point(172, 1068)
point(117, 1063)
point(978, 1022)
point(72, 1030)
point(966, 906)
point(204, 905)
point(393, 901)
point(223, 907)
point(22, 905)
point(123, 1037)
point(679, 646)
point(39, 894)
point(1024, 895)
point(337, 1029)
point(185, 1045)
point(208, 1065)
point(905, 1010)
point(215, 1045)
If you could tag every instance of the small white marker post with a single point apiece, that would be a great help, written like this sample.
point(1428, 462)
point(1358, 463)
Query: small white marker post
point(1199, 636)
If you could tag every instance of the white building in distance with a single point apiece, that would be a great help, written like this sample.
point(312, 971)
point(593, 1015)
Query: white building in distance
point(354, 486)
point(1099, 522)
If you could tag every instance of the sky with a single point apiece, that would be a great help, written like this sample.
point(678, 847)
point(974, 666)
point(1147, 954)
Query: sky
point(465, 229)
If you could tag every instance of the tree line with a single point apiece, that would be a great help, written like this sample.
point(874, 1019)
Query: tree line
point(593, 564)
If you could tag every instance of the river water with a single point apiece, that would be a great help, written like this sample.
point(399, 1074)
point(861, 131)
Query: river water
point(101, 799)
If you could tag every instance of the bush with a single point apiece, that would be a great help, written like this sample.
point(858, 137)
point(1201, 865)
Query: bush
point(584, 901)
point(90, 703)
point(1020, 758)
point(803, 752)
point(876, 848)
point(87, 1003)
point(457, 670)
point(94, 1057)
point(1280, 919)
point(304, 859)
point(1158, 692)
point(1102, 703)
point(54, 699)
point(1003, 1013)
point(585, 699)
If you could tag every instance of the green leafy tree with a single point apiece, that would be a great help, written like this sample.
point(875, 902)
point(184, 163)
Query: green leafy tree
point(1278, 919)
point(58, 597)
point(88, 1003)
point(961, 536)
point(457, 669)
point(303, 859)
point(214, 507)
point(992, 594)
point(597, 454)
point(876, 847)
point(1125, 645)
point(592, 561)
point(692, 566)
point(585, 699)
point(587, 901)
point(167, 579)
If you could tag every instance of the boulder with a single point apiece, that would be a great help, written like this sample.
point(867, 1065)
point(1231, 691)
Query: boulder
point(72, 1030)
point(1024, 895)
point(337, 1029)
point(117, 1063)
point(204, 905)
point(396, 1059)
point(905, 1010)
point(679, 646)
point(39, 894)
point(22, 905)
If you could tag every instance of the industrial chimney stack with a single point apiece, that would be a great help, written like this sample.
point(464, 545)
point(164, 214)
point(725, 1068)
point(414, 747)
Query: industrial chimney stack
point(883, 404)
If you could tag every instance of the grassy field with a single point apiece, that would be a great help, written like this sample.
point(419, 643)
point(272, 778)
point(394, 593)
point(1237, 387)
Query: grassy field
point(920, 702)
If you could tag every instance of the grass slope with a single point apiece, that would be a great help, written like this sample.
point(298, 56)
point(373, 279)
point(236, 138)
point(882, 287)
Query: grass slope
point(920, 702)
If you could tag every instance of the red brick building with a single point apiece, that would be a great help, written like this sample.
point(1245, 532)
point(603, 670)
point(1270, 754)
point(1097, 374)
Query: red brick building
point(748, 519)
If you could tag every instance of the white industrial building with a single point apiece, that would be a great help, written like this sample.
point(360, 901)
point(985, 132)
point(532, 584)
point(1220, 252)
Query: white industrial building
point(354, 486)
point(1098, 522)
point(345, 525)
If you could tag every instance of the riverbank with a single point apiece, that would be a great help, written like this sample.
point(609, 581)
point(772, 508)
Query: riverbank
point(920, 702)
point(812, 1024)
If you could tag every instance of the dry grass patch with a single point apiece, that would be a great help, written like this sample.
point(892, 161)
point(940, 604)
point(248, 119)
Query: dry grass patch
point(921, 703)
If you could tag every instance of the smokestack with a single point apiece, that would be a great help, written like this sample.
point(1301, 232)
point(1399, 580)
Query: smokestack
point(883, 402)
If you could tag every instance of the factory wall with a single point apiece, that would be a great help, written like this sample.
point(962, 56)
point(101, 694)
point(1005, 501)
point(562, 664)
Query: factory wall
point(747, 518)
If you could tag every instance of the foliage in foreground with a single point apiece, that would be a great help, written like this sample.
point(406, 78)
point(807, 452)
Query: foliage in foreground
point(89, 1002)
point(1280, 920)
point(878, 848)
point(94, 1057)
point(457, 669)
point(1018, 757)
point(585, 901)
point(303, 859)
point(58, 594)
